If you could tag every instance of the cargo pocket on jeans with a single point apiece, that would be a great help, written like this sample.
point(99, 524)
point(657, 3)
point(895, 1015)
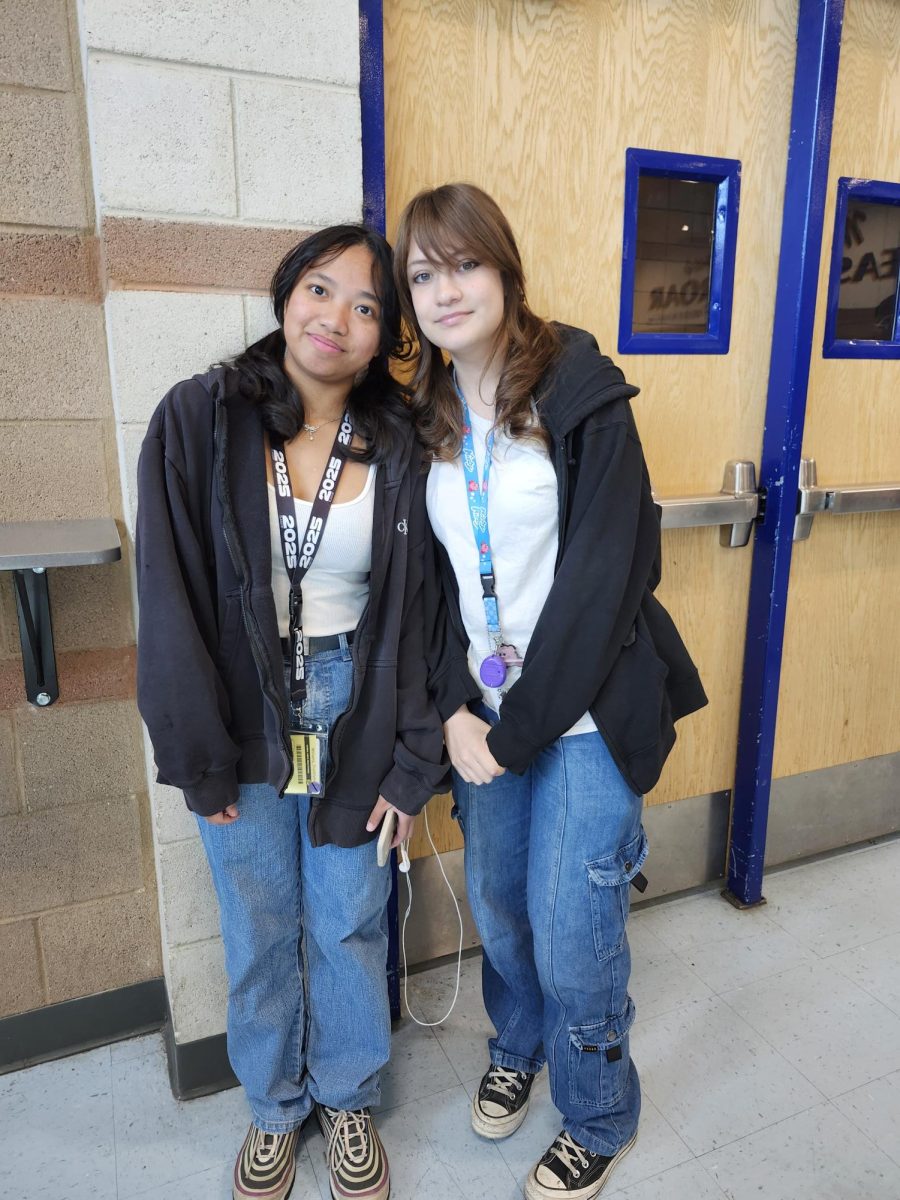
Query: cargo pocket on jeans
point(599, 1061)
point(609, 880)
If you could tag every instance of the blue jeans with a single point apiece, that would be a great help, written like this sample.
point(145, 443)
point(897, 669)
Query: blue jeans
point(549, 855)
point(290, 1044)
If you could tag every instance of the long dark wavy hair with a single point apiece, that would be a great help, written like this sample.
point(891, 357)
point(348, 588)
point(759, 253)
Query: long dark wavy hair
point(377, 404)
point(450, 224)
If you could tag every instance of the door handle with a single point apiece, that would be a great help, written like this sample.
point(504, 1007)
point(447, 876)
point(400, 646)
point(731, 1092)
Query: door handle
point(733, 509)
point(838, 499)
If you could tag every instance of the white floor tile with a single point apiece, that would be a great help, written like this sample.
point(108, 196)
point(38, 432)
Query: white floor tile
point(215, 1184)
point(137, 1047)
point(875, 967)
point(869, 869)
point(839, 903)
point(810, 1004)
point(418, 1067)
point(816, 1155)
point(434, 1153)
point(159, 1139)
point(464, 1035)
point(875, 1109)
point(809, 885)
point(689, 1181)
point(850, 922)
point(830, 1029)
point(657, 1148)
point(641, 937)
point(712, 1077)
point(702, 920)
point(660, 981)
point(740, 961)
point(312, 1145)
point(56, 1130)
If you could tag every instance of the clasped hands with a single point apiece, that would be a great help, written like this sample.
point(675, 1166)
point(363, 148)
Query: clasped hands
point(466, 739)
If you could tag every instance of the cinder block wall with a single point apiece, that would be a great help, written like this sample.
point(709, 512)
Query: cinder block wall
point(78, 905)
point(220, 131)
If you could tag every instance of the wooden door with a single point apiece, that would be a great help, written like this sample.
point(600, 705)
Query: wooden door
point(840, 699)
point(537, 102)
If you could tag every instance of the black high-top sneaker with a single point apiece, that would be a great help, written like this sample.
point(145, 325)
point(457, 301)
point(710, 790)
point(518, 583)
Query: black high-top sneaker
point(266, 1165)
point(501, 1102)
point(357, 1163)
point(569, 1171)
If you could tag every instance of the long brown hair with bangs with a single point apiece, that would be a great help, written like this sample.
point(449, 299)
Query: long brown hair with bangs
point(450, 224)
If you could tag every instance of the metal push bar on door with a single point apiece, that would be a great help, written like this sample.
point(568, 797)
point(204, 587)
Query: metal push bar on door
point(733, 509)
point(839, 499)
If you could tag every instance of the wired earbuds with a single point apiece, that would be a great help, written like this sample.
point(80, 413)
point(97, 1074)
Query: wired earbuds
point(404, 866)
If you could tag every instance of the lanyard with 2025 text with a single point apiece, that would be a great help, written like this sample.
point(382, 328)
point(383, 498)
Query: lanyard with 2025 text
point(299, 554)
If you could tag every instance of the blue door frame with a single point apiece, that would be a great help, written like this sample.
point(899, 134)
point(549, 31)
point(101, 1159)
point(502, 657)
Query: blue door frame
point(812, 113)
point(371, 101)
point(809, 151)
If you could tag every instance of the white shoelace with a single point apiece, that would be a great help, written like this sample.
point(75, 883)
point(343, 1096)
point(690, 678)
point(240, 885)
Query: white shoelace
point(349, 1127)
point(569, 1152)
point(267, 1146)
point(507, 1083)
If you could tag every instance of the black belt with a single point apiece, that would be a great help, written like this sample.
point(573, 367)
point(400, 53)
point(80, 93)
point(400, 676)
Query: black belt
point(318, 645)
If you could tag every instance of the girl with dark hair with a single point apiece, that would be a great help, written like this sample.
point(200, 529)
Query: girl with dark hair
point(280, 546)
point(556, 671)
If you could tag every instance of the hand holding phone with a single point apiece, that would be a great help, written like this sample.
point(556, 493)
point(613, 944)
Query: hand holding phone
point(388, 829)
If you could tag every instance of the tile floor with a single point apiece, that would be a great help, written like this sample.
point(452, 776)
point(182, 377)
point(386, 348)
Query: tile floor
point(768, 1043)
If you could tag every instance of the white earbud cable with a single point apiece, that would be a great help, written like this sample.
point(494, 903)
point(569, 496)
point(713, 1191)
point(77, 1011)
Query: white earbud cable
point(404, 867)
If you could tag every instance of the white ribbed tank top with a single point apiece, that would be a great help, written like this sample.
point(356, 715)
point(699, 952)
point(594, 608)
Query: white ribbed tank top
point(336, 587)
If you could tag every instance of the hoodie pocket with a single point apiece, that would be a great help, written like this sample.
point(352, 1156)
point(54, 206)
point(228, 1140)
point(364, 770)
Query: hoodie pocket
point(229, 633)
point(634, 710)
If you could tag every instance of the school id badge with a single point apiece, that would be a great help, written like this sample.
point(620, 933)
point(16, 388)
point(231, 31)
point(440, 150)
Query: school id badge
point(309, 746)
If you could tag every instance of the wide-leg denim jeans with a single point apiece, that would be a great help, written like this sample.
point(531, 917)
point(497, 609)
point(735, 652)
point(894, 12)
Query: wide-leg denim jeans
point(549, 857)
point(326, 1042)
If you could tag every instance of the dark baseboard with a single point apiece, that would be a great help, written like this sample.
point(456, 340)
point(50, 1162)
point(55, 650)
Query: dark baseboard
point(198, 1068)
point(76, 1025)
point(195, 1068)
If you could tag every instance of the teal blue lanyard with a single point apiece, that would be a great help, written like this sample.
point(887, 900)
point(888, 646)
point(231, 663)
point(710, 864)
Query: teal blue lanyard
point(477, 496)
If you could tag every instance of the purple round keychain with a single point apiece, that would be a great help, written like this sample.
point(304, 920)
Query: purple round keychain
point(492, 671)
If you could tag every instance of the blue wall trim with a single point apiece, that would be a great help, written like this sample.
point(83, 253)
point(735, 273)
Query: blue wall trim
point(371, 100)
point(866, 190)
point(812, 114)
point(371, 103)
point(726, 172)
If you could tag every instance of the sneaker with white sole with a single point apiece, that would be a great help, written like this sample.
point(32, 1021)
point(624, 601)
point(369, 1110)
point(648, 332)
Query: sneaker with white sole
point(357, 1163)
point(266, 1165)
point(501, 1103)
point(569, 1171)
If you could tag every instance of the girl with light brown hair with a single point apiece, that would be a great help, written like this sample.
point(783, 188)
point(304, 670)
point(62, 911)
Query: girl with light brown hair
point(557, 673)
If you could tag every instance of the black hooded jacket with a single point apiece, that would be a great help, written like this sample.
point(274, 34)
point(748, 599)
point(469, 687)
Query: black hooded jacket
point(603, 643)
point(210, 664)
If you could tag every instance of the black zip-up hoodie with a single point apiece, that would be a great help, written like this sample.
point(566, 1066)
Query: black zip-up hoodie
point(603, 643)
point(210, 665)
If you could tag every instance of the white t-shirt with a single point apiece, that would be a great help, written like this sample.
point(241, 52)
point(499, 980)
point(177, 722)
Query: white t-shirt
point(336, 587)
point(523, 518)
